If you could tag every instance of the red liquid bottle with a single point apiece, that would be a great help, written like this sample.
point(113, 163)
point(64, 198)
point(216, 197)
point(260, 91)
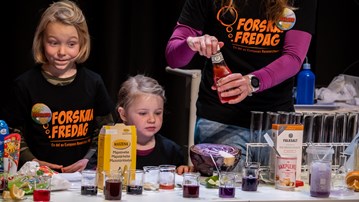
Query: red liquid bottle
point(220, 70)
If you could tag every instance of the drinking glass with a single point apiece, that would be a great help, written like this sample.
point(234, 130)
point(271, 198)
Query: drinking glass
point(89, 182)
point(42, 188)
point(250, 176)
point(190, 185)
point(113, 185)
point(151, 178)
point(135, 181)
point(227, 187)
point(167, 176)
point(320, 181)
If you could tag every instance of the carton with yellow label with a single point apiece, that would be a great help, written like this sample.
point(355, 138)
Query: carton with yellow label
point(116, 149)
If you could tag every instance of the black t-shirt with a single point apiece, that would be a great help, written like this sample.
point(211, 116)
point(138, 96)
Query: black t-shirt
point(58, 121)
point(165, 151)
point(251, 42)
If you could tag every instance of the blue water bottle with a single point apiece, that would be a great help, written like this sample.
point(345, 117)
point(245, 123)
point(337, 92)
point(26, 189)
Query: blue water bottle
point(305, 85)
point(4, 131)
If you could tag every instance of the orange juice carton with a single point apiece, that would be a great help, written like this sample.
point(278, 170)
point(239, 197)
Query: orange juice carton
point(116, 149)
point(288, 140)
point(11, 153)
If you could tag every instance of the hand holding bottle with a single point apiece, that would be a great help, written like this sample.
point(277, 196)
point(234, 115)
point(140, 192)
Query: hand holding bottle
point(231, 88)
point(205, 45)
point(234, 86)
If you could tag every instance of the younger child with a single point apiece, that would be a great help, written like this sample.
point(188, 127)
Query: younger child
point(141, 103)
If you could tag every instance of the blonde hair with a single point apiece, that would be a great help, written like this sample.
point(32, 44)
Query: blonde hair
point(66, 12)
point(272, 9)
point(136, 85)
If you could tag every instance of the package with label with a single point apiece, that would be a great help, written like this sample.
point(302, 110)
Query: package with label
point(11, 153)
point(116, 149)
point(289, 142)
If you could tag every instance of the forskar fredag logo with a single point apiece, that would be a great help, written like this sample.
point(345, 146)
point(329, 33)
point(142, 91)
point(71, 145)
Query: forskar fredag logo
point(287, 21)
point(41, 113)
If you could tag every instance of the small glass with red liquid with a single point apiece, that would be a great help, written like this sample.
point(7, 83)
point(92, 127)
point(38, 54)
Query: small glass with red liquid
point(190, 185)
point(167, 176)
point(112, 185)
point(42, 188)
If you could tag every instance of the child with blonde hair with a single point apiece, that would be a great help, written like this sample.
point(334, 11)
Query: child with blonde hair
point(141, 103)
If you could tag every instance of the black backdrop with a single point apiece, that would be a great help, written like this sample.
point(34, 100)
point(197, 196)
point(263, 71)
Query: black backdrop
point(129, 37)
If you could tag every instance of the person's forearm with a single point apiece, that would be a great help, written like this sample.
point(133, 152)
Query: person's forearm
point(25, 153)
point(296, 45)
point(178, 54)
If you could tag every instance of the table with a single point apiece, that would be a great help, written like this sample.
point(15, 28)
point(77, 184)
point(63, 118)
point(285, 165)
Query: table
point(264, 193)
point(337, 107)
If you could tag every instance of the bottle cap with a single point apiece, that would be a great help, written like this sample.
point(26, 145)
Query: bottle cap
point(306, 65)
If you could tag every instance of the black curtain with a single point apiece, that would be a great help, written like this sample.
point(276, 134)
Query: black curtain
point(127, 38)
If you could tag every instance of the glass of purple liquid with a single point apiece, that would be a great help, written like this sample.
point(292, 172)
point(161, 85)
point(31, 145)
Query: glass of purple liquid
point(250, 176)
point(190, 185)
point(320, 181)
point(89, 182)
point(227, 187)
point(135, 182)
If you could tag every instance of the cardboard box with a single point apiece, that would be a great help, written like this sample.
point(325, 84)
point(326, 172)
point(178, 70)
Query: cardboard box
point(288, 140)
point(116, 149)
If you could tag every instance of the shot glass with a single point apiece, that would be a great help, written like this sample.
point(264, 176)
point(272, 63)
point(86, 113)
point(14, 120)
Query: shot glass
point(151, 178)
point(227, 187)
point(135, 182)
point(167, 176)
point(190, 185)
point(89, 182)
point(42, 188)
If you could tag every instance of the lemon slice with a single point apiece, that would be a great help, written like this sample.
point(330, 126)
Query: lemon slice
point(6, 195)
point(352, 180)
point(16, 192)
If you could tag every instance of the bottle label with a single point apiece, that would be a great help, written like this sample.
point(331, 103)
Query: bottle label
point(217, 58)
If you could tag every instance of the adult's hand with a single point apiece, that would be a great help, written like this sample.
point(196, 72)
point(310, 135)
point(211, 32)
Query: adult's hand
point(206, 45)
point(234, 85)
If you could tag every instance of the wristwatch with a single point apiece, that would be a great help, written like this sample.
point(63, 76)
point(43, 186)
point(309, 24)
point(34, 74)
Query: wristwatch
point(254, 81)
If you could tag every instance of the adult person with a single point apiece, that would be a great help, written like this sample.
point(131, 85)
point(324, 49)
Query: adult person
point(59, 105)
point(264, 43)
point(141, 103)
